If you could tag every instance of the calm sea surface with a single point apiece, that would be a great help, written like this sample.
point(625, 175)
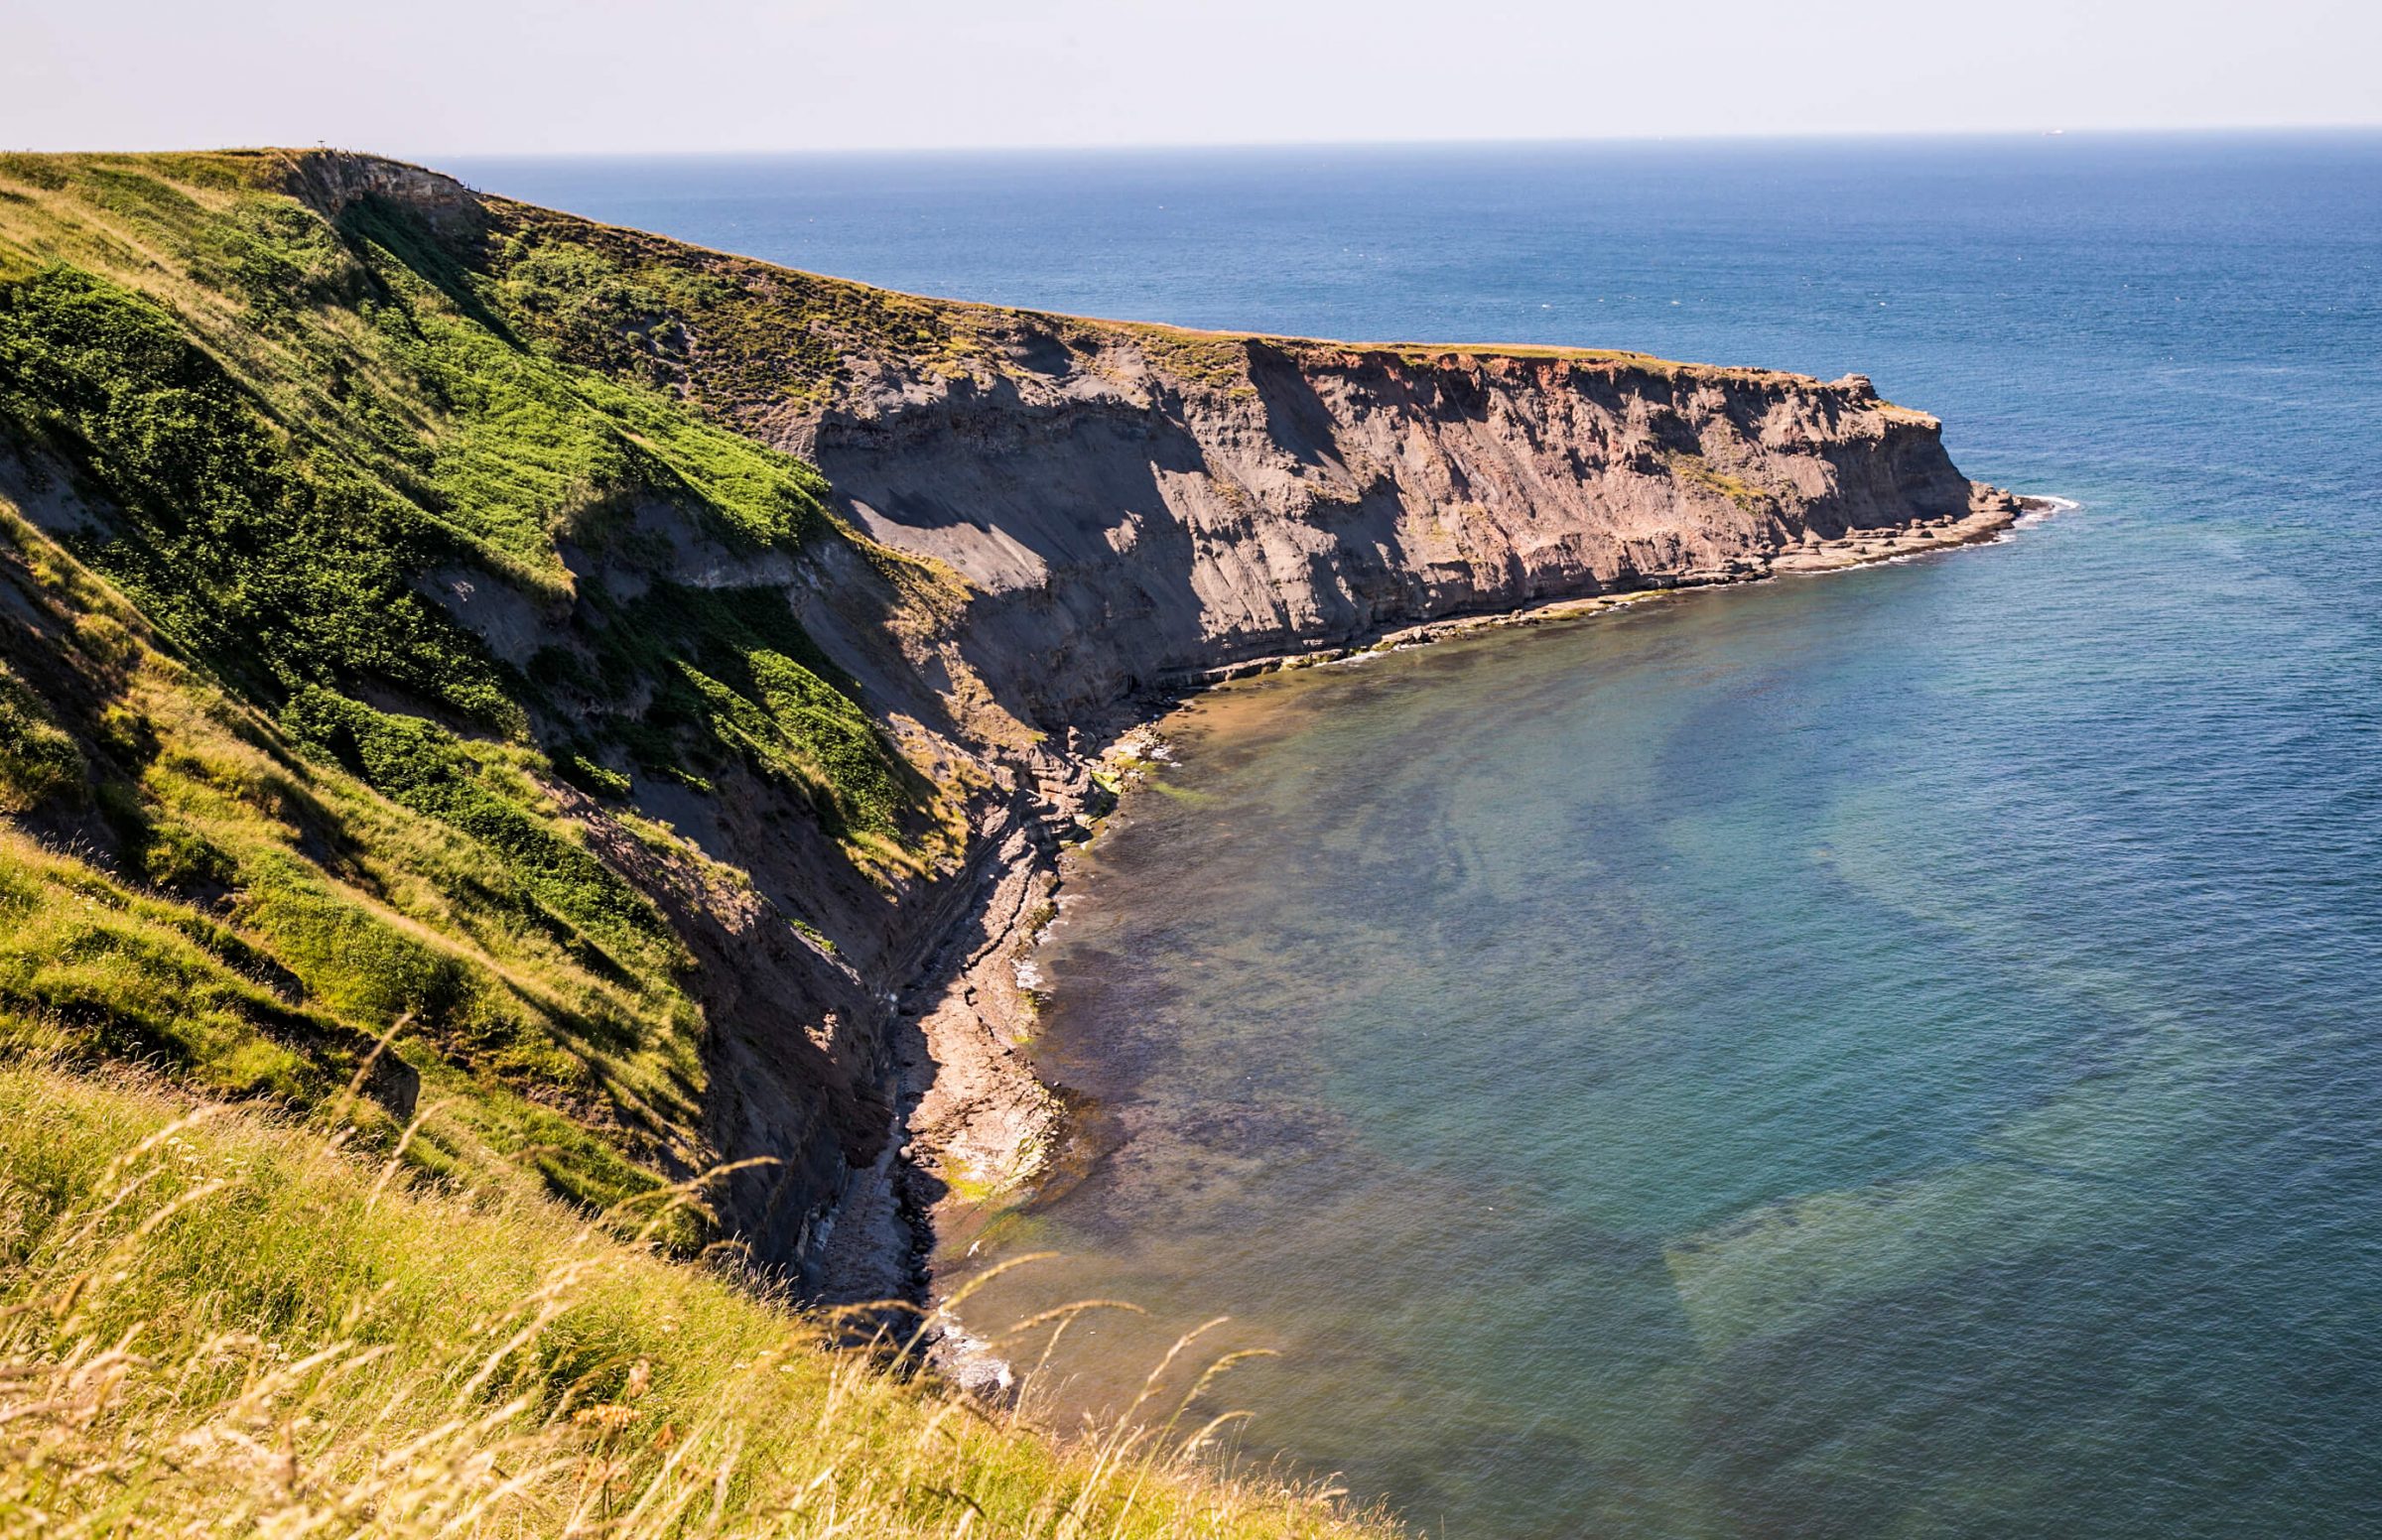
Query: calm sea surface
point(1892, 1054)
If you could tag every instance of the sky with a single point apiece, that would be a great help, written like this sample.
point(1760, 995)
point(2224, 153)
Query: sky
point(426, 78)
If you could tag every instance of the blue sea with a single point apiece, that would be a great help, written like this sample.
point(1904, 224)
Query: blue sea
point(1897, 1053)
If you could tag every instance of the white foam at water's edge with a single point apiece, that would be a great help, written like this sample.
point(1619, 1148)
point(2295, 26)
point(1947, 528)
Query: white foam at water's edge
point(2001, 537)
point(2057, 505)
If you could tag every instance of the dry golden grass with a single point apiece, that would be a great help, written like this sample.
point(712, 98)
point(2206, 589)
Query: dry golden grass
point(212, 1322)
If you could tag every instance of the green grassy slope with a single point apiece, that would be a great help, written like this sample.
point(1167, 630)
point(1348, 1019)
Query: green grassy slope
point(301, 419)
point(265, 797)
point(223, 895)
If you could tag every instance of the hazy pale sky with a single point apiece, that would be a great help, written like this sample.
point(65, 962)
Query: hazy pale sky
point(426, 78)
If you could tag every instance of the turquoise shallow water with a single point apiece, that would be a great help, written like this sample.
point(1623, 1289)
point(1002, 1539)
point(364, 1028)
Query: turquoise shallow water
point(1887, 1054)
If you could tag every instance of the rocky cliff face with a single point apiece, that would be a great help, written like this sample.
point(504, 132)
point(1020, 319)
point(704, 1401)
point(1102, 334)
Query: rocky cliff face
point(1136, 506)
point(1137, 509)
point(1129, 522)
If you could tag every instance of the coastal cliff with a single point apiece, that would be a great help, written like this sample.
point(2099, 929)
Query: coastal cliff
point(750, 777)
point(1130, 516)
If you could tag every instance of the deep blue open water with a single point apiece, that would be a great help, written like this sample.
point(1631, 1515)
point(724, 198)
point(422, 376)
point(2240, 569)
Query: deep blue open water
point(1891, 1054)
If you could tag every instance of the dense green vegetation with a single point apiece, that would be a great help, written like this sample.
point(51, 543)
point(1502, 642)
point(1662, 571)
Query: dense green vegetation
point(240, 904)
point(737, 668)
point(370, 343)
point(303, 422)
point(422, 766)
point(275, 569)
point(273, 799)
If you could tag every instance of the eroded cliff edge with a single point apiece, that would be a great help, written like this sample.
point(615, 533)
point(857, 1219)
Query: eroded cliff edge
point(1048, 523)
point(1137, 509)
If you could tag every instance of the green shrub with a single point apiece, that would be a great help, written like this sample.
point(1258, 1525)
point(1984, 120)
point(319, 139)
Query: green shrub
point(279, 570)
point(735, 668)
point(422, 766)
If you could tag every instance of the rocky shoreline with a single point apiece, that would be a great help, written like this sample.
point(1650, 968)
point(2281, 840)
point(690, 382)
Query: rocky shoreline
point(977, 1128)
